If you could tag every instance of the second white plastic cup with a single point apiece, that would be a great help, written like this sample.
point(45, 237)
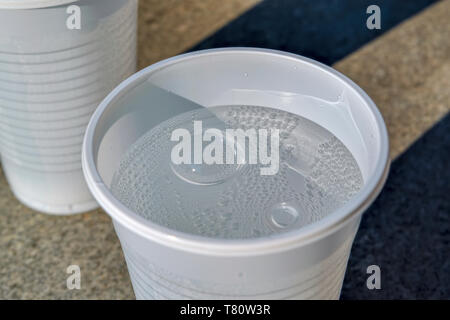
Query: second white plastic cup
point(52, 77)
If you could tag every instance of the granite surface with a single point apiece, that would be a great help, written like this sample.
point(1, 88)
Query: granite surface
point(169, 27)
point(323, 30)
point(405, 71)
point(406, 232)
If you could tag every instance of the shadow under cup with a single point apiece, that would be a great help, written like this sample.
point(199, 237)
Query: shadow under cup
point(304, 263)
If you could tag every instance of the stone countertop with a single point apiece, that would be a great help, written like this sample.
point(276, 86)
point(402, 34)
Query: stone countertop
point(407, 77)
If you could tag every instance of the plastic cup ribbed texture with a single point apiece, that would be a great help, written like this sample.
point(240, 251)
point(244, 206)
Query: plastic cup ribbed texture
point(51, 81)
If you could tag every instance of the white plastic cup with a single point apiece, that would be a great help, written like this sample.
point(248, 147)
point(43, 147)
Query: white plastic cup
point(308, 263)
point(51, 80)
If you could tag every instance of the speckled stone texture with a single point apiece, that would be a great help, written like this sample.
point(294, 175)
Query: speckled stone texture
point(324, 30)
point(169, 27)
point(36, 249)
point(405, 71)
point(406, 232)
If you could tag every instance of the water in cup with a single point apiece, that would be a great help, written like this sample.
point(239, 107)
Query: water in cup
point(315, 174)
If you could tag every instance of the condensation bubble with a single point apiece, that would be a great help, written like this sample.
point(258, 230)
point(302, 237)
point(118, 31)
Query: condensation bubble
point(283, 215)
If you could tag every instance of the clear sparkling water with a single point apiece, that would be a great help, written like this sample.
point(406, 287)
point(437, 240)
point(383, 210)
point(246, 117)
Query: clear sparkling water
point(317, 175)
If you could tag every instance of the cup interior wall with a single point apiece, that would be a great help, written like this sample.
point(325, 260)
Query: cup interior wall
point(236, 78)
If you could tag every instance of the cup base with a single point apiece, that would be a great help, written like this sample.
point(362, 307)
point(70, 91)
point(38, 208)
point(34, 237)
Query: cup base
point(56, 210)
point(56, 193)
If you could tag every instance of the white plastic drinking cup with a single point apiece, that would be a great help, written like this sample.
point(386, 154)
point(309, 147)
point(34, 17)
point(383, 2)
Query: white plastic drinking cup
point(52, 78)
point(307, 263)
